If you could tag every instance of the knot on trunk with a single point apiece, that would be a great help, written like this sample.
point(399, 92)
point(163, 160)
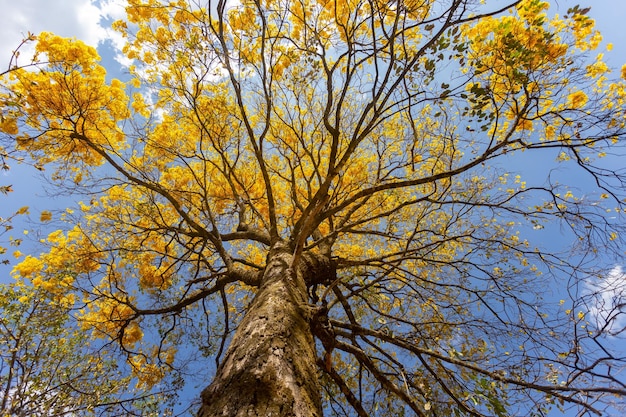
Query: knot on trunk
point(317, 270)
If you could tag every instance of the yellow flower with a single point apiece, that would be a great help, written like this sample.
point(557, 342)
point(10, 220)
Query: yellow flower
point(598, 68)
point(28, 267)
point(577, 99)
point(9, 126)
point(45, 216)
point(525, 124)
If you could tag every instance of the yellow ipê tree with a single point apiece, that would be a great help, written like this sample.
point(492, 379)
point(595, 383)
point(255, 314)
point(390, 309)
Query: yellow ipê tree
point(322, 188)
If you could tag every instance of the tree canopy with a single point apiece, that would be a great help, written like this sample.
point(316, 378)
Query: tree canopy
point(323, 193)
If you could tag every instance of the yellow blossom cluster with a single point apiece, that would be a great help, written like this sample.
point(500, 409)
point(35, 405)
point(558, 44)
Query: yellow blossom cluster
point(147, 374)
point(69, 255)
point(508, 46)
point(523, 62)
point(111, 316)
point(577, 99)
point(71, 103)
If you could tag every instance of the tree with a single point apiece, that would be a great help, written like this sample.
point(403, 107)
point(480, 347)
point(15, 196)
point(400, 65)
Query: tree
point(318, 195)
point(47, 369)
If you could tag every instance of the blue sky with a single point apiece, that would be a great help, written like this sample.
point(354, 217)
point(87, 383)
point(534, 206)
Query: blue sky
point(82, 19)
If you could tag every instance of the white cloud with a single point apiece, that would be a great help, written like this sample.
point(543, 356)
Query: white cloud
point(69, 18)
point(607, 301)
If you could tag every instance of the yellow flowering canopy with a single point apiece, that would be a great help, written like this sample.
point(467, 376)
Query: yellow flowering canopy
point(376, 136)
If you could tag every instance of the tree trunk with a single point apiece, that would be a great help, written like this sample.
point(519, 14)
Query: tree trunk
point(269, 368)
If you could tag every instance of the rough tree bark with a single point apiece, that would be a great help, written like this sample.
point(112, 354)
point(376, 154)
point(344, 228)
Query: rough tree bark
point(269, 368)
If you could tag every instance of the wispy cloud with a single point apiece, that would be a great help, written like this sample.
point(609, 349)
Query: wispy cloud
point(606, 301)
